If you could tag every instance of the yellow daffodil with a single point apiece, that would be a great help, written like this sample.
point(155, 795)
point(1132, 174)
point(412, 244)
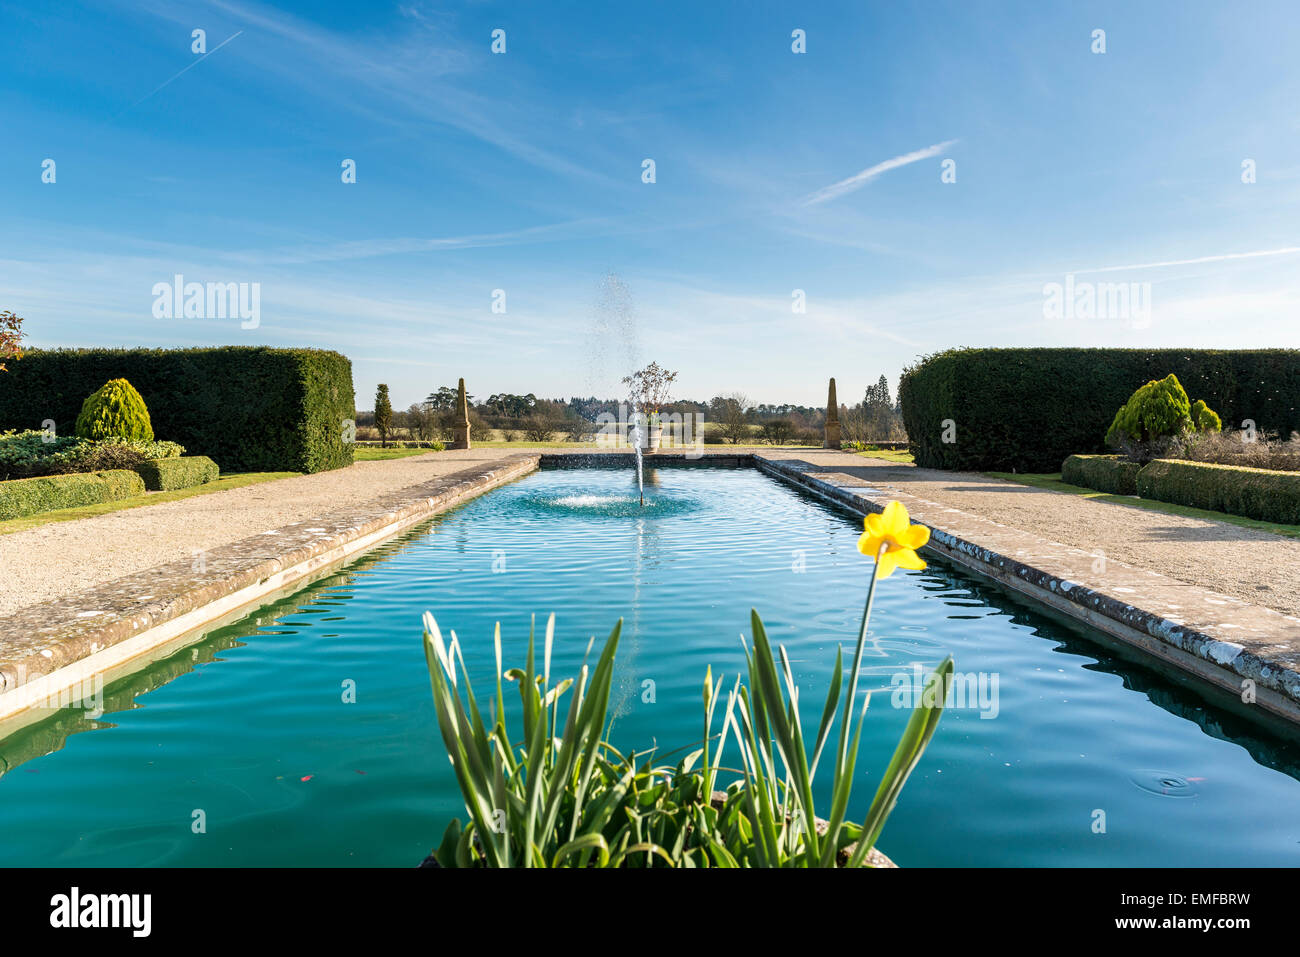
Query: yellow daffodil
point(900, 540)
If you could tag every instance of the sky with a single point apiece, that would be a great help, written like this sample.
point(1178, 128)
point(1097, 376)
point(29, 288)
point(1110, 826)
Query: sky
point(919, 178)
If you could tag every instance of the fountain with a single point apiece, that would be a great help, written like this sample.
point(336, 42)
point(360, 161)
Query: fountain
point(616, 322)
point(635, 433)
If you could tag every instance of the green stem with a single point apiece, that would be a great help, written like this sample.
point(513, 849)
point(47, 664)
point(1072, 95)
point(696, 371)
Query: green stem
point(857, 659)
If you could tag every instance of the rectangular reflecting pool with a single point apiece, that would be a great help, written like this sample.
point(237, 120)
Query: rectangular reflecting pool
point(304, 734)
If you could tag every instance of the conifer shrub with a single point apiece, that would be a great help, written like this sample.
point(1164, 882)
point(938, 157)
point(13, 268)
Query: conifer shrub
point(116, 409)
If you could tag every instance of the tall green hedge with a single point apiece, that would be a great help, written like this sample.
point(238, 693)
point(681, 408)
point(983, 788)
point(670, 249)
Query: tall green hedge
point(1025, 410)
point(249, 408)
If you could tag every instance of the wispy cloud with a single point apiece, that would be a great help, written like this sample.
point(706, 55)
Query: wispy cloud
point(369, 248)
point(858, 180)
point(1223, 257)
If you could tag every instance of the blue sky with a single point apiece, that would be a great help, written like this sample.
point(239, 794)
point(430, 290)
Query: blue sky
point(775, 171)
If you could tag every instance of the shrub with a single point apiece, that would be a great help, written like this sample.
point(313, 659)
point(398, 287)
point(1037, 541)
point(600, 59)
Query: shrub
point(1104, 473)
point(579, 429)
point(1156, 410)
point(538, 428)
point(1205, 419)
point(1261, 452)
point(120, 453)
point(115, 410)
point(31, 453)
point(479, 431)
point(1252, 493)
point(246, 407)
point(777, 431)
point(162, 475)
point(46, 493)
point(1027, 409)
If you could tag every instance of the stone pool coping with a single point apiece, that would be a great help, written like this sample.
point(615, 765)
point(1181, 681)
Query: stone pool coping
point(1213, 638)
point(121, 625)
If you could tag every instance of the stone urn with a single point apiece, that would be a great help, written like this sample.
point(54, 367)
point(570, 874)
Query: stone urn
point(652, 434)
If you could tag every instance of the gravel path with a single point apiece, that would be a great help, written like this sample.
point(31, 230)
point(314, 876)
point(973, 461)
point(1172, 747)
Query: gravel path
point(1257, 567)
point(52, 561)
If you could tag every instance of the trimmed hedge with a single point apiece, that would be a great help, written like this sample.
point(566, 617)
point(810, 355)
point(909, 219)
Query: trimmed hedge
point(185, 471)
point(48, 492)
point(1104, 473)
point(1254, 493)
point(1025, 410)
point(249, 408)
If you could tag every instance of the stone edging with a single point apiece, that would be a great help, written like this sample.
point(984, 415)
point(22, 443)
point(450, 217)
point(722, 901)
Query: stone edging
point(1204, 649)
point(48, 648)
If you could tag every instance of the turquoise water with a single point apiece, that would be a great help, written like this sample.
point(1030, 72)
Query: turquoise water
point(250, 727)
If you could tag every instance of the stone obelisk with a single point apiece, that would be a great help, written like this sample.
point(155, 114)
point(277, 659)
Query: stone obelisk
point(832, 420)
point(461, 429)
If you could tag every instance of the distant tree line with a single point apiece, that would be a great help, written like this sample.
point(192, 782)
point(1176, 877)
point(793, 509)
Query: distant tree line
point(731, 417)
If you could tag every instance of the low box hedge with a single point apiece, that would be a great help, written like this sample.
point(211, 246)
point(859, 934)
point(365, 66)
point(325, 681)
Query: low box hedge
point(1253, 493)
point(185, 471)
point(1103, 473)
point(49, 492)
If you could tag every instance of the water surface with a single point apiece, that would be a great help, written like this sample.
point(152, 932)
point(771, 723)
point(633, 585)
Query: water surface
point(254, 728)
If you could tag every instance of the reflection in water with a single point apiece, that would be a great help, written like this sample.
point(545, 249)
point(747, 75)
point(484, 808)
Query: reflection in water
point(46, 737)
point(51, 735)
point(1264, 744)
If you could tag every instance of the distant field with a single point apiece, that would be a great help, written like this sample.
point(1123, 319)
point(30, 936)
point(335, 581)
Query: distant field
point(379, 455)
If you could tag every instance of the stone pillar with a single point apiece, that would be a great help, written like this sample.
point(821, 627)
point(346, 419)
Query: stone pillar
point(461, 428)
point(832, 420)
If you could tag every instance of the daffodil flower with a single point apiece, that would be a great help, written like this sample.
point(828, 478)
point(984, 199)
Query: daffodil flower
point(892, 541)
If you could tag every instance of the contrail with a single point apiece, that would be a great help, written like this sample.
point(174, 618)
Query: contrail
point(188, 68)
point(1285, 250)
point(858, 180)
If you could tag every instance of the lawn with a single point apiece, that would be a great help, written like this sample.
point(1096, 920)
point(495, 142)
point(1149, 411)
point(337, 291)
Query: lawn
point(1052, 481)
point(889, 455)
point(233, 480)
point(380, 455)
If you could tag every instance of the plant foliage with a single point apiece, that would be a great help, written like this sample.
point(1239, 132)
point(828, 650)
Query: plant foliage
point(557, 793)
point(115, 410)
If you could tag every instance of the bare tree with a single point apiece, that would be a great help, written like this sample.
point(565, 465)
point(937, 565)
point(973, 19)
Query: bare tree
point(778, 431)
point(539, 428)
point(731, 411)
